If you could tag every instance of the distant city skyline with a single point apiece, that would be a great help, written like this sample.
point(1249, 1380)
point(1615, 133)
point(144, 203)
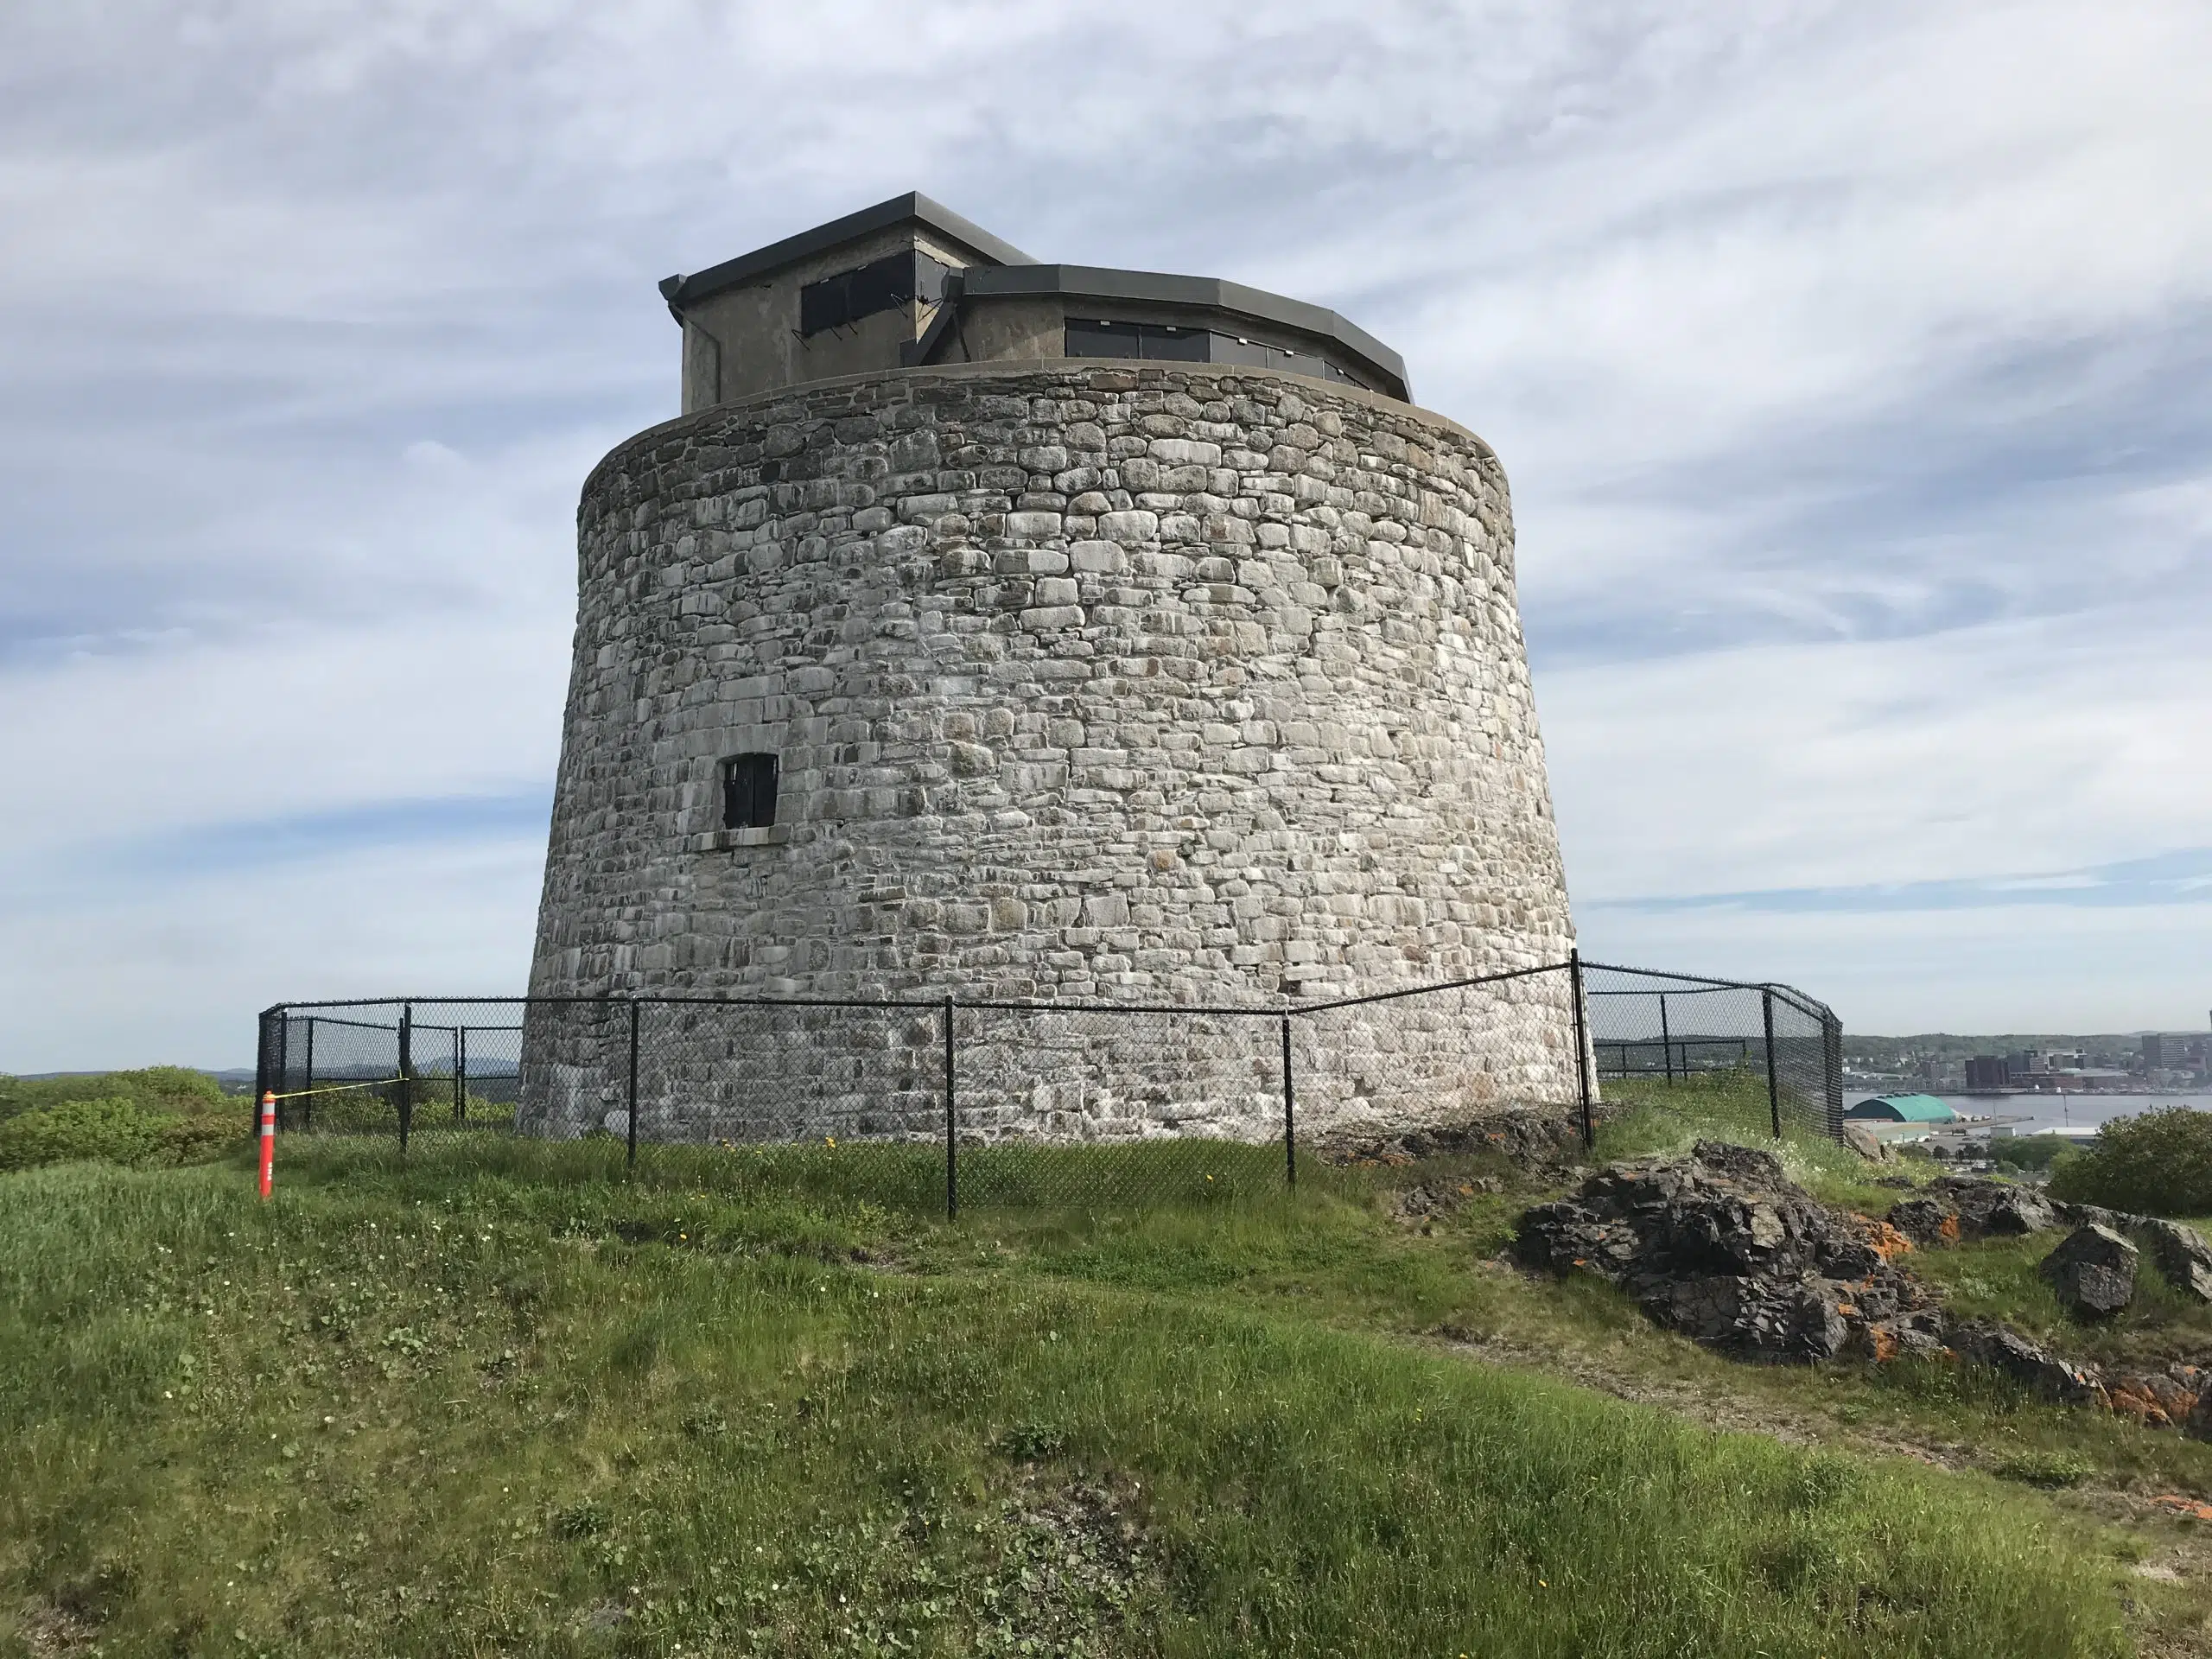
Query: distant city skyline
point(1851, 366)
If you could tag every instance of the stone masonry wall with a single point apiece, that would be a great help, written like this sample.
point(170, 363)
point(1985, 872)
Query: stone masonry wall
point(1089, 681)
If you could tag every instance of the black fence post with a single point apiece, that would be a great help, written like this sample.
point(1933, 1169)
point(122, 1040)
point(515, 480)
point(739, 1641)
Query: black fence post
point(1582, 1047)
point(630, 1161)
point(307, 1096)
point(1289, 1113)
point(951, 1139)
point(1773, 1087)
point(406, 1072)
point(460, 1074)
point(1667, 1042)
point(265, 1048)
point(1831, 1068)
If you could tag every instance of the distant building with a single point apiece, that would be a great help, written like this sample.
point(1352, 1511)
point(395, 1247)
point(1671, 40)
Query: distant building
point(1989, 1071)
point(2173, 1052)
point(1903, 1108)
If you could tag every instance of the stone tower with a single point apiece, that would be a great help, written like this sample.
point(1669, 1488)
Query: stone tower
point(1044, 632)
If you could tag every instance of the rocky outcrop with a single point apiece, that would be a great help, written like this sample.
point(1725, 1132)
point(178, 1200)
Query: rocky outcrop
point(1722, 1247)
point(2028, 1364)
point(1542, 1142)
point(1955, 1207)
point(2092, 1272)
point(2180, 1254)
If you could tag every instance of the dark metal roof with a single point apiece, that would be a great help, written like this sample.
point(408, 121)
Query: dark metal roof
point(912, 207)
point(1193, 293)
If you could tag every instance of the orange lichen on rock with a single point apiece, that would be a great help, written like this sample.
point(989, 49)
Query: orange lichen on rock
point(1948, 1232)
point(2125, 1402)
point(1889, 1243)
point(2188, 1506)
point(1884, 1344)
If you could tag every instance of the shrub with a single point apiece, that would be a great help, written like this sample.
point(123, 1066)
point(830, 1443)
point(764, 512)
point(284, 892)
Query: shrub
point(2159, 1163)
point(117, 1130)
point(153, 1088)
point(113, 1131)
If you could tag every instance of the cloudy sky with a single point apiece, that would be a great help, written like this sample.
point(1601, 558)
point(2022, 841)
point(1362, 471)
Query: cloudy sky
point(1851, 365)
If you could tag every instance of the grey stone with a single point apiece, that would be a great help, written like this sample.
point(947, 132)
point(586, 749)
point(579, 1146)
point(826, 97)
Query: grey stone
point(2092, 1272)
point(1864, 1141)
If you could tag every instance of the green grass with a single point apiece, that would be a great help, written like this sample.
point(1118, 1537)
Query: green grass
point(1646, 1115)
point(491, 1400)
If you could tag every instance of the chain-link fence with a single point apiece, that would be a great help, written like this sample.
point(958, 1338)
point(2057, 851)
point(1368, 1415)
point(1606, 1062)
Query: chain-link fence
point(1678, 1028)
point(974, 1103)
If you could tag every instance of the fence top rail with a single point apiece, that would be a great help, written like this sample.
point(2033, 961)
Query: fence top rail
point(1789, 994)
point(1423, 990)
point(332, 1019)
point(1691, 990)
point(1245, 1010)
point(1679, 1041)
point(1688, 984)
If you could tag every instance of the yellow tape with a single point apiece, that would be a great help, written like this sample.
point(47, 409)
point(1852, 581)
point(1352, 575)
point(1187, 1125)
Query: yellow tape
point(338, 1089)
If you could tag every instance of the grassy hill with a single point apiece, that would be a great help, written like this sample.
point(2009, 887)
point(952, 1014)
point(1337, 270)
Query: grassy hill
point(497, 1399)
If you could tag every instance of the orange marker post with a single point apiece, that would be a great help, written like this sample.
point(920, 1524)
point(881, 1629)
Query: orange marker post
point(268, 1140)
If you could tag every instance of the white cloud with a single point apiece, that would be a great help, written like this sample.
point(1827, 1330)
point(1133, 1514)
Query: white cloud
point(2042, 967)
point(2011, 749)
point(118, 980)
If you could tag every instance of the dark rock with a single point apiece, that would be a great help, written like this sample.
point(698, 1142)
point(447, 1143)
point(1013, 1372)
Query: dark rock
point(1955, 1207)
point(1538, 1142)
point(2095, 1214)
point(1722, 1247)
point(2092, 1272)
point(1986, 1343)
point(1926, 1221)
point(2197, 1425)
point(2181, 1255)
point(1994, 1207)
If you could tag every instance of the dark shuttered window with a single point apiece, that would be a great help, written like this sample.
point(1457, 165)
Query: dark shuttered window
point(748, 792)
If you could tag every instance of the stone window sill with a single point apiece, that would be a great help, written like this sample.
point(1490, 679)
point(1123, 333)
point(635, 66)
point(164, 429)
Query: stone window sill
point(725, 841)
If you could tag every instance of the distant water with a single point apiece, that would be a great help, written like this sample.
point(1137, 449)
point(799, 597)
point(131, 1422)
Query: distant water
point(2028, 1113)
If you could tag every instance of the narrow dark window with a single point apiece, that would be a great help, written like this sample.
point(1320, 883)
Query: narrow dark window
point(1101, 340)
point(748, 792)
point(1146, 339)
point(1175, 345)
